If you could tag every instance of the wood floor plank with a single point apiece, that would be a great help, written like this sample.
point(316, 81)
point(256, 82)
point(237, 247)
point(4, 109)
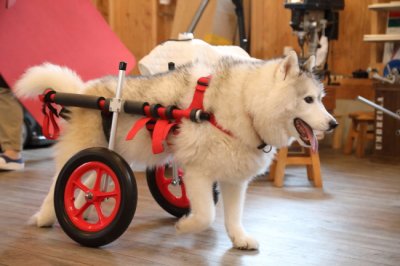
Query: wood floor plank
point(353, 220)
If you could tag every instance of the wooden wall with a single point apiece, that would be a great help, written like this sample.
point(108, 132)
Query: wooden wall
point(350, 52)
point(271, 32)
point(142, 24)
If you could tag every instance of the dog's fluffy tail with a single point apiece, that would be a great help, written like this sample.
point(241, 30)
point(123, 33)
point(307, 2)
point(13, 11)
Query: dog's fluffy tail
point(39, 78)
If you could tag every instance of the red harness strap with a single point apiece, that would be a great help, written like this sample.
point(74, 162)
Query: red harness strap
point(49, 112)
point(163, 126)
point(201, 87)
point(198, 98)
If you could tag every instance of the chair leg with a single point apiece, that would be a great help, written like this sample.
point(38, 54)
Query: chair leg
point(315, 169)
point(360, 146)
point(338, 136)
point(350, 138)
point(280, 167)
point(309, 167)
point(272, 170)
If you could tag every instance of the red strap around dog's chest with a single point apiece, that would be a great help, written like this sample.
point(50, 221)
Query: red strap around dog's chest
point(163, 127)
point(198, 98)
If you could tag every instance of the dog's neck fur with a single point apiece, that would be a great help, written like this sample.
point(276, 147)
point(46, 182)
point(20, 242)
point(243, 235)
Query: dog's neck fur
point(236, 116)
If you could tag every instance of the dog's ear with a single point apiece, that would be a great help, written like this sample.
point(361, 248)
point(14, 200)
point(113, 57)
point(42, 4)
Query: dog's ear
point(289, 66)
point(310, 63)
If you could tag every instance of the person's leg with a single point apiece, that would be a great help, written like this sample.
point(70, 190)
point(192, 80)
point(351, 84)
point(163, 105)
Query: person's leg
point(11, 119)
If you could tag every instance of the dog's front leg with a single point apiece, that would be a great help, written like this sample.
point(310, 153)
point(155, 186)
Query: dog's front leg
point(233, 195)
point(46, 216)
point(200, 193)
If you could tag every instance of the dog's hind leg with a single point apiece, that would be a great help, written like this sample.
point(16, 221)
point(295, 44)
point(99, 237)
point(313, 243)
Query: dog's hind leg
point(200, 193)
point(46, 216)
point(233, 195)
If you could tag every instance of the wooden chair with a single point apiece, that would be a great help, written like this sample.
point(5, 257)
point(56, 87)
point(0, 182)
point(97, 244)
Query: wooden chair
point(360, 132)
point(305, 157)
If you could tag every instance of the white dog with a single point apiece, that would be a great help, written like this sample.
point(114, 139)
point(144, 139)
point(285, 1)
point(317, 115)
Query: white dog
point(258, 102)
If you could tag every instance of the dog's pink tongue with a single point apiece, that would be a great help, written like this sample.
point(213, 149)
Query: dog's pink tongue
point(314, 143)
point(313, 139)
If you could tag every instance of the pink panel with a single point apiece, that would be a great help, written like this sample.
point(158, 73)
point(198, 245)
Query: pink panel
point(65, 32)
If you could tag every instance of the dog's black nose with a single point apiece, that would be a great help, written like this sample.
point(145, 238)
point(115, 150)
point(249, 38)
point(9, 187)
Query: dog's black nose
point(333, 124)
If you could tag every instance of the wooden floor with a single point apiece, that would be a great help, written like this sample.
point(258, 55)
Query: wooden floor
point(353, 220)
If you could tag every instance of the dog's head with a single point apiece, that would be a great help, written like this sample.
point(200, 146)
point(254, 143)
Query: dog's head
point(291, 104)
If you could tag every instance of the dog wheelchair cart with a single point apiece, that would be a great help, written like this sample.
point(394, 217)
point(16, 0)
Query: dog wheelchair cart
point(95, 194)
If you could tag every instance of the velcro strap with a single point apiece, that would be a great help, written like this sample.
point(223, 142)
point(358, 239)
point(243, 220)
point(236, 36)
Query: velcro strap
point(137, 126)
point(160, 133)
point(49, 121)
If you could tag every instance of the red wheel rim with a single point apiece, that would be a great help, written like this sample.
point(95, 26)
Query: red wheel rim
point(93, 196)
point(164, 184)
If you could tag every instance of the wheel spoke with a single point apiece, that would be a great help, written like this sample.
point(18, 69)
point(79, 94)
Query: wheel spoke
point(81, 186)
point(79, 212)
point(102, 195)
point(100, 214)
point(99, 174)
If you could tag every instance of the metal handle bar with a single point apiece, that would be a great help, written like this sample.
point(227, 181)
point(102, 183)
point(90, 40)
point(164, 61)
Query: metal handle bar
point(197, 16)
point(374, 105)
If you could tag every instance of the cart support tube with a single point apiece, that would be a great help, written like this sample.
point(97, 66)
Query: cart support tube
point(197, 16)
point(71, 99)
point(137, 108)
point(121, 75)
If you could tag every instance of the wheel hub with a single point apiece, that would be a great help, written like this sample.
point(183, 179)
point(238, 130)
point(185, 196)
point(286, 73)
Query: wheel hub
point(175, 182)
point(89, 196)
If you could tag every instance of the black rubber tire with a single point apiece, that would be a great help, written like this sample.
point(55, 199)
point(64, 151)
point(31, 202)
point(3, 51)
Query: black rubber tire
point(151, 175)
point(26, 133)
point(127, 208)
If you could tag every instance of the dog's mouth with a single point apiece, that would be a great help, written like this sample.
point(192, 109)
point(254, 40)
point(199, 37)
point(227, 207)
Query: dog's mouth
point(306, 133)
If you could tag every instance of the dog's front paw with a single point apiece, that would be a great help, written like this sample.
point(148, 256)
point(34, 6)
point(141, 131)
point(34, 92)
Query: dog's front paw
point(41, 220)
point(245, 242)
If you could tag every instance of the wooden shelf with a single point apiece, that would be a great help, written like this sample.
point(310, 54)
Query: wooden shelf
point(382, 38)
point(380, 34)
point(392, 6)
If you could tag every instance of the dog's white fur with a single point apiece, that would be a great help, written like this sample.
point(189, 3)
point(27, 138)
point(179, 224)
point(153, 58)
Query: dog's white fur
point(256, 101)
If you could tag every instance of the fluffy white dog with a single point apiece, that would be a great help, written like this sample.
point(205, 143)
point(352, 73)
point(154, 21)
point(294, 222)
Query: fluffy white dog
point(258, 102)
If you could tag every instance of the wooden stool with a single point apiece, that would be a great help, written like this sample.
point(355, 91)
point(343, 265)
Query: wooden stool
point(284, 157)
point(359, 132)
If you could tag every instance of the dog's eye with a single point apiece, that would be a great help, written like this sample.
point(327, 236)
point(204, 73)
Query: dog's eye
point(309, 99)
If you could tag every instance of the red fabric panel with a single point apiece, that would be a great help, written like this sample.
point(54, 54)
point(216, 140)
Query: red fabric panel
point(65, 32)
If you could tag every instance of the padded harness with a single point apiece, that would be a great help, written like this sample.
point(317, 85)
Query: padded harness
point(160, 128)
